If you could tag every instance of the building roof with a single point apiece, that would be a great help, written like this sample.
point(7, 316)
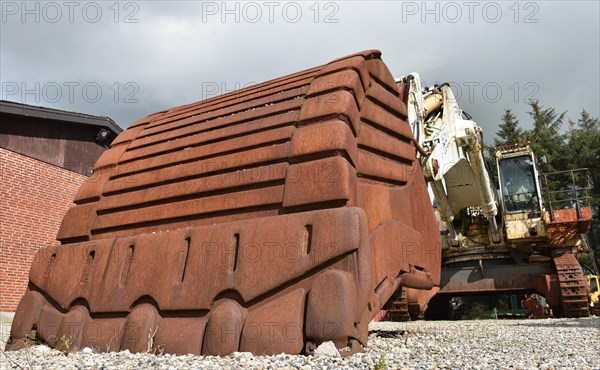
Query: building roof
point(10, 107)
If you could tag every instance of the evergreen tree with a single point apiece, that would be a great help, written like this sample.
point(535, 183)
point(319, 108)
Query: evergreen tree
point(583, 151)
point(545, 137)
point(509, 131)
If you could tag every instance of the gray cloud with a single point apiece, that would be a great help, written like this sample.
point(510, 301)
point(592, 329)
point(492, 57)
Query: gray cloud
point(177, 53)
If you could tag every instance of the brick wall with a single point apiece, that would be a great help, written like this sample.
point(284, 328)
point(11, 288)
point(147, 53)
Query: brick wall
point(34, 197)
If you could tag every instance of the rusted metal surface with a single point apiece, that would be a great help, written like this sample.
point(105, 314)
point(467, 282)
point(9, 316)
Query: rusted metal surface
point(396, 309)
point(492, 278)
point(407, 304)
point(535, 307)
point(564, 230)
point(573, 286)
point(562, 283)
point(520, 227)
point(266, 220)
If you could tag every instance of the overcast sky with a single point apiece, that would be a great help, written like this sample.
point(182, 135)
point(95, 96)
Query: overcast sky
point(129, 59)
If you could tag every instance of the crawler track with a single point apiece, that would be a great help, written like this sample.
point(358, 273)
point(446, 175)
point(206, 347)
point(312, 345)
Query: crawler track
point(573, 286)
point(397, 307)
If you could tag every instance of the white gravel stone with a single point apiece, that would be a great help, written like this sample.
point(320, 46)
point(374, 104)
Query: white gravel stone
point(490, 344)
point(327, 349)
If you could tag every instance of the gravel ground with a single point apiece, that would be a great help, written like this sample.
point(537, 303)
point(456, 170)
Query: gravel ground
point(523, 344)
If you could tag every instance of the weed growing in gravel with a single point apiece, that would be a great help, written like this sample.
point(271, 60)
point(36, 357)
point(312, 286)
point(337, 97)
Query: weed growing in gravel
point(150, 345)
point(380, 364)
point(108, 346)
point(66, 343)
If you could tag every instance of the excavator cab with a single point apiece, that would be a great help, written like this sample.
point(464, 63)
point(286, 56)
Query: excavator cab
point(520, 193)
point(518, 184)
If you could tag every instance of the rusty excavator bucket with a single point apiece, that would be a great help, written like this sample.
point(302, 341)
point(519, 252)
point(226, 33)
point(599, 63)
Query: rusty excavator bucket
point(266, 220)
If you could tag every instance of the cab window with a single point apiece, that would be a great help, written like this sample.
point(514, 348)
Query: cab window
point(519, 190)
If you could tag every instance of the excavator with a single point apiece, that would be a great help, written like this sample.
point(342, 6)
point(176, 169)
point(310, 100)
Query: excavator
point(501, 234)
point(284, 215)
